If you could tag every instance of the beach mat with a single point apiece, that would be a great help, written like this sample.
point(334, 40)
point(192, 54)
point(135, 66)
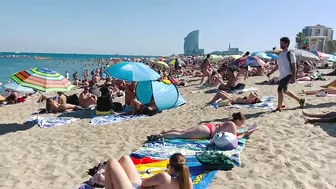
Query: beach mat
point(267, 103)
point(50, 122)
point(200, 176)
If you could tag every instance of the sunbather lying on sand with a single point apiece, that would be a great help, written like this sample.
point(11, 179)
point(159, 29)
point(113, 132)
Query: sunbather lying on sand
point(54, 107)
point(326, 91)
point(313, 118)
point(121, 174)
point(207, 130)
point(329, 85)
point(253, 98)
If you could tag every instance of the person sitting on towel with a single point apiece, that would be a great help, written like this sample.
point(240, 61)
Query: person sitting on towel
point(253, 98)
point(122, 174)
point(231, 84)
point(104, 102)
point(87, 99)
point(208, 130)
point(138, 108)
point(55, 107)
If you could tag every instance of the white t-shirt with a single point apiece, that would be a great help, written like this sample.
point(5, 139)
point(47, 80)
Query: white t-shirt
point(67, 75)
point(284, 65)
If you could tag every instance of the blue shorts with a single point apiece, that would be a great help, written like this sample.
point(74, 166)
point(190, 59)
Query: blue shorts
point(283, 83)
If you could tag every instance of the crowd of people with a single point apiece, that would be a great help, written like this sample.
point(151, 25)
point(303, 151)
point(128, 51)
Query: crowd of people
point(99, 91)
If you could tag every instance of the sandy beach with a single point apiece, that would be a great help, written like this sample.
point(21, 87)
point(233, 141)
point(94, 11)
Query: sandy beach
point(283, 153)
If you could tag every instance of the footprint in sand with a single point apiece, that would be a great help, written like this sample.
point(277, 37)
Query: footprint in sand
point(307, 165)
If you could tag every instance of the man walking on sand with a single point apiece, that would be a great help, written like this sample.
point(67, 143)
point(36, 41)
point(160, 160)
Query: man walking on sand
point(287, 69)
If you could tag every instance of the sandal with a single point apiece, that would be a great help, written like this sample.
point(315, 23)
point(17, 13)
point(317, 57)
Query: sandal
point(302, 102)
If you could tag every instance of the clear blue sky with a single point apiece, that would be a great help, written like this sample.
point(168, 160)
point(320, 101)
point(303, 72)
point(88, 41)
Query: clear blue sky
point(154, 27)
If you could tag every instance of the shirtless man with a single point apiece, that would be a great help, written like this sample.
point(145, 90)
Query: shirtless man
point(205, 69)
point(253, 98)
point(87, 99)
point(232, 79)
point(95, 79)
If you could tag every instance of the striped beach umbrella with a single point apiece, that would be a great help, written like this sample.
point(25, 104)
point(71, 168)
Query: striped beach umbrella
point(248, 61)
point(42, 79)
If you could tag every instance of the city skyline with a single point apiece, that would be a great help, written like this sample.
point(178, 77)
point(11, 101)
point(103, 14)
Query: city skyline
point(151, 27)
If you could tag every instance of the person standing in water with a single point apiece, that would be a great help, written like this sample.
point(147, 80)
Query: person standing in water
point(287, 69)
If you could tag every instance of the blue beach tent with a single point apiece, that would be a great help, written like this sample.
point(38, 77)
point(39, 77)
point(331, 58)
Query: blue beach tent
point(165, 96)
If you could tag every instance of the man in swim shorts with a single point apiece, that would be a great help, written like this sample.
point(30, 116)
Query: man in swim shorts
point(287, 72)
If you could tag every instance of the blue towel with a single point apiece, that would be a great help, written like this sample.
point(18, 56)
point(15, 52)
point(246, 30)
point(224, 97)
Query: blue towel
point(103, 120)
point(50, 122)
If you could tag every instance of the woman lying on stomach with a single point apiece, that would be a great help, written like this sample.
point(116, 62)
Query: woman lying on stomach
point(121, 174)
point(208, 130)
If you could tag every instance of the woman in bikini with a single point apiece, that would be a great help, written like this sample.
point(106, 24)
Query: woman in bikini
point(208, 130)
point(206, 69)
point(54, 107)
point(121, 174)
point(253, 98)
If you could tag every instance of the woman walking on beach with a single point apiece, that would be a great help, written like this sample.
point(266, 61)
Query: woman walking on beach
point(122, 174)
point(206, 68)
point(287, 69)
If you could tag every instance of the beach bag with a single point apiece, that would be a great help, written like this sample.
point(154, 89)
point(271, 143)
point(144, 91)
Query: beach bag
point(214, 160)
point(73, 99)
point(117, 106)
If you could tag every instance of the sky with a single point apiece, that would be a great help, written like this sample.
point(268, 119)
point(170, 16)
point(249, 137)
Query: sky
point(154, 27)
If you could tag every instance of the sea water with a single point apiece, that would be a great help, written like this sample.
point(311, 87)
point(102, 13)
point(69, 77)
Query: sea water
point(58, 62)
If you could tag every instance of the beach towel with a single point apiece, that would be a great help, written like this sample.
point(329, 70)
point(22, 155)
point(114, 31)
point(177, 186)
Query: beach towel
point(200, 176)
point(188, 147)
point(103, 120)
point(50, 122)
point(266, 103)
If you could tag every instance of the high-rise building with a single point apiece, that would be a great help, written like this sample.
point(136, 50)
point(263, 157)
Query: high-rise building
point(191, 44)
point(318, 30)
point(315, 37)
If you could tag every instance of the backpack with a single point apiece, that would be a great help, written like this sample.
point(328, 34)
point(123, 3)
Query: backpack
point(73, 99)
point(289, 60)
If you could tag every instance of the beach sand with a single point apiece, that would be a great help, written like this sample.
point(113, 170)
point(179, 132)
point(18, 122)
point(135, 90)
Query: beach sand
point(283, 153)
